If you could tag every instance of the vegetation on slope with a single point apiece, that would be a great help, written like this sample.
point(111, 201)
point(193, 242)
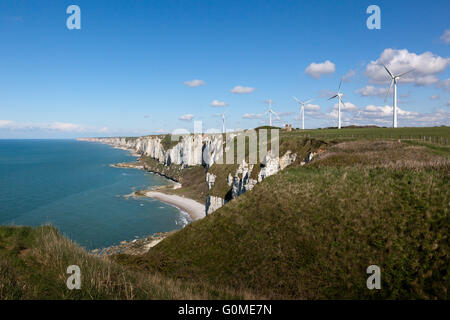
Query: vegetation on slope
point(288, 141)
point(311, 232)
point(193, 184)
point(34, 261)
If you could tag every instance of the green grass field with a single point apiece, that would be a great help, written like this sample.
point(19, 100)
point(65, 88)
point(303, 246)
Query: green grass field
point(432, 134)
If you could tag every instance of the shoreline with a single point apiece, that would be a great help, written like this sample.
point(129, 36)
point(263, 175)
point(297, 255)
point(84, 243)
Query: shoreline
point(195, 209)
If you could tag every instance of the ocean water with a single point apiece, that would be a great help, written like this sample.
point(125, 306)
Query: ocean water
point(71, 185)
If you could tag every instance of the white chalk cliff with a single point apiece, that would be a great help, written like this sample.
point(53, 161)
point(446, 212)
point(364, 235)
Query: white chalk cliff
point(199, 149)
point(187, 152)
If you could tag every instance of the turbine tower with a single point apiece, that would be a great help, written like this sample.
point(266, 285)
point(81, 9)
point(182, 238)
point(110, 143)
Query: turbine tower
point(223, 122)
point(302, 109)
point(394, 82)
point(222, 115)
point(339, 95)
point(270, 112)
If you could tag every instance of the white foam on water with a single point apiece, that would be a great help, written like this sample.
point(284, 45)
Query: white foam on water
point(184, 219)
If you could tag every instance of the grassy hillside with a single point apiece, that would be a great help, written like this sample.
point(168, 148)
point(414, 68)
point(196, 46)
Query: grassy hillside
point(33, 264)
point(310, 232)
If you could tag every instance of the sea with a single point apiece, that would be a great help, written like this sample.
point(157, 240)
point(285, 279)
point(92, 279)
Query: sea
point(71, 185)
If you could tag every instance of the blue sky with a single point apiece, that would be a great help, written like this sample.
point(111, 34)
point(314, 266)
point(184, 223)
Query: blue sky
point(126, 71)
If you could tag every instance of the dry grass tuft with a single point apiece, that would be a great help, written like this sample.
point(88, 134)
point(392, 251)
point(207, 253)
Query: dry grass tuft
point(41, 273)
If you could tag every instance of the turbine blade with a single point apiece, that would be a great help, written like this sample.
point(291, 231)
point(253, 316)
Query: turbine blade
point(392, 76)
point(296, 99)
point(278, 117)
point(310, 100)
point(340, 83)
point(389, 89)
point(400, 75)
point(333, 97)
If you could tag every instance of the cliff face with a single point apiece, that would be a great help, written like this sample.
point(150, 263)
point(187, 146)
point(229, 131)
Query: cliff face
point(187, 152)
point(244, 178)
point(206, 150)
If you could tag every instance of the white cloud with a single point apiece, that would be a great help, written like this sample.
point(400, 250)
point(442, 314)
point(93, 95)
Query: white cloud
point(252, 116)
point(446, 36)
point(316, 70)
point(242, 90)
point(194, 83)
point(52, 126)
point(217, 103)
point(440, 117)
point(6, 123)
point(347, 109)
point(61, 126)
point(435, 97)
point(368, 91)
point(346, 77)
point(444, 84)
point(186, 117)
point(312, 107)
point(161, 131)
point(346, 106)
point(425, 65)
point(382, 115)
point(385, 111)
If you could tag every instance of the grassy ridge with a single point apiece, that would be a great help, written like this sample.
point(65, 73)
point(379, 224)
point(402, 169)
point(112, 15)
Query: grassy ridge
point(311, 232)
point(33, 263)
point(380, 133)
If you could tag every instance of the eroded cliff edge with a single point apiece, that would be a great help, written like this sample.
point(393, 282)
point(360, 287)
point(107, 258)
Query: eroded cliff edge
point(196, 162)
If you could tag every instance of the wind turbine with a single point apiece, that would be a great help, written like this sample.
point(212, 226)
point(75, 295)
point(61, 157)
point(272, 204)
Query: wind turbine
point(339, 95)
point(302, 109)
point(223, 120)
point(394, 82)
point(270, 112)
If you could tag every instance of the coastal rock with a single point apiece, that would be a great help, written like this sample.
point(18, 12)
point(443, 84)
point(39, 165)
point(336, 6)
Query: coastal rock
point(229, 180)
point(210, 180)
point(212, 149)
point(242, 181)
point(310, 157)
point(271, 165)
point(213, 203)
